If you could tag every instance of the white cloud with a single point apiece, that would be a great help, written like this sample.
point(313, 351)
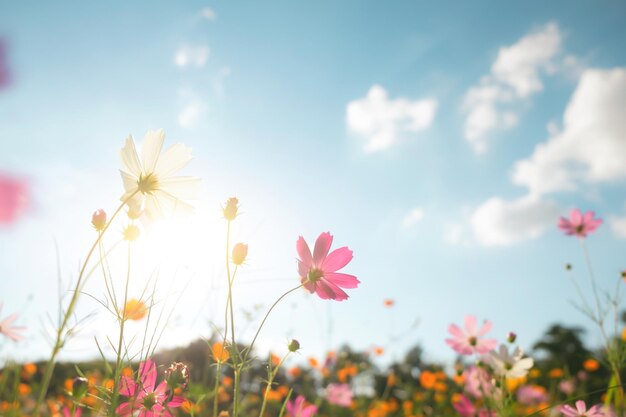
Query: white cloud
point(413, 217)
point(192, 55)
point(191, 113)
point(208, 13)
point(382, 122)
point(514, 75)
point(501, 222)
point(592, 145)
point(618, 226)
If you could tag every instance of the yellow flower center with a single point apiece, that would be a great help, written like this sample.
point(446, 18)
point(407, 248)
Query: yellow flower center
point(315, 275)
point(148, 183)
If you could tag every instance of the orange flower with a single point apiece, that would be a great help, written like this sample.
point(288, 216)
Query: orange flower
point(24, 389)
point(555, 373)
point(108, 384)
point(428, 379)
point(389, 302)
point(219, 353)
point(313, 363)
point(513, 383)
point(624, 334)
point(459, 379)
point(29, 370)
point(127, 372)
point(275, 359)
point(534, 373)
point(440, 386)
point(591, 365)
point(222, 395)
point(273, 395)
point(227, 381)
point(391, 379)
point(68, 384)
point(295, 371)
point(378, 351)
point(134, 310)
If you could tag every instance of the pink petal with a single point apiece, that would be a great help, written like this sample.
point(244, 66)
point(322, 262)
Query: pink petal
point(575, 217)
point(323, 291)
point(342, 280)
point(124, 409)
point(484, 329)
point(581, 406)
point(337, 259)
point(304, 252)
point(160, 390)
point(486, 345)
point(340, 295)
point(322, 246)
point(303, 270)
point(128, 387)
point(456, 331)
point(587, 217)
point(176, 401)
point(148, 375)
point(470, 325)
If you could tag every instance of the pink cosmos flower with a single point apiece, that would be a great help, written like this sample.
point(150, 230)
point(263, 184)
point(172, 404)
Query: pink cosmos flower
point(468, 342)
point(579, 224)
point(144, 399)
point(581, 410)
point(532, 394)
point(319, 273)
point(13, 198)
point(10, 331)
point(477, 382)
point(339, 394)
point(464, 407)
point(299, 408)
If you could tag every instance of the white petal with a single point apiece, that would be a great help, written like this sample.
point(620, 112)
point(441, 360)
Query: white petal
point(173, 159)
point(129, 181)
point(170, 204)
point(152, 208)
point(151, 149)
point(129, 157)
point(183, 188)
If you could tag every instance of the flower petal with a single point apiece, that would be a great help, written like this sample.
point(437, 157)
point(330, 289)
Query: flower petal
point(342, 280)
point(338, 293)
point(322, 246)
point(129, 157)
point(184, 188)
point(470, 325)
point(173, 159)
point(337, 259)
point(304, 252)
point(147, 374)
point(128, 386)
point(151, 149)
point(575, 217)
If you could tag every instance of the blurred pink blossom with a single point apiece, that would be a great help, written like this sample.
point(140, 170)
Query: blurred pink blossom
point(7, 329)
point(468, 341)
point(532, 394)
point(13, 198)
point(299, 408)
point(581, 410)
point(579, 224)
point(339, 394)
point(477, 382)
point(318, 273)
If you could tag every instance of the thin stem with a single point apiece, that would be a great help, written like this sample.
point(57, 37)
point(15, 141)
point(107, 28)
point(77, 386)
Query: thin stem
point(122, 318)
point(217, 387)
point(256, 335)
point(58, 344)
point(270, 381)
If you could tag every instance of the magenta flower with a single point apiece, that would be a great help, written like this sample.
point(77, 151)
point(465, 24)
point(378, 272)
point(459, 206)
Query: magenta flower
point(318, 273)
point(469, 341)
point(77, 413)
point(339, 394)
point(477, 382)
point(10, 331)
point(144, 399)
point(581, 410)
point(579, 224)
point(299, 408)
point(13, 198)
point(464, 407)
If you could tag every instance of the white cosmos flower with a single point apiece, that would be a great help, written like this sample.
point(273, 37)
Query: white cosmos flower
point(150, 180)
point(510, 365)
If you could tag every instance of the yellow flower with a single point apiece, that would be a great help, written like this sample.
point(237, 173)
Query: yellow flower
point(220, 354)
point(134, 310)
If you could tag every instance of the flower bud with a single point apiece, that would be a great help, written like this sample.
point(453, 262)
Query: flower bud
point(511, 337)
point(99, 220)
point(79, 387)
point(177, 375)
point(623, 274)
point(568, 267)
point(230, 210)
point(293, 345)
point(240, 251)
point(131, 232)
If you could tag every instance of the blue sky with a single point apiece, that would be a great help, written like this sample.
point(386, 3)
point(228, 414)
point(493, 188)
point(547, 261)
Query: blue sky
point(439, 141)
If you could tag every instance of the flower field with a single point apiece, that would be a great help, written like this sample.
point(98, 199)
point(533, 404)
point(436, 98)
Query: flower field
point(224, 376)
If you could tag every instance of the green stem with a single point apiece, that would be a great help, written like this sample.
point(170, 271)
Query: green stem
point(217, 387)
point(122, 318)
point(270, 381)
point(58, 344)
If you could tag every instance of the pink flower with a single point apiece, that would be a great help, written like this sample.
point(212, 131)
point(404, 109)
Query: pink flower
point(144, 399)
point(477, 382)
point(13, 198)
point(579, 224)
point(339, 394)
point(298, 408)
point(318, 273)
point(532, 394)
point(464, 407)
point(468, 342)
point(77, 413)
point(10, 331)
point(581, 410)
